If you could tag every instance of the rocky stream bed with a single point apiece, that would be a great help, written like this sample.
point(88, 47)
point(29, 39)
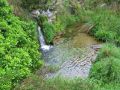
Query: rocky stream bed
point(72, 56)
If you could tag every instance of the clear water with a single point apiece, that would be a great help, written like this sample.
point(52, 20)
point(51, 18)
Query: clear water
point(70, 45)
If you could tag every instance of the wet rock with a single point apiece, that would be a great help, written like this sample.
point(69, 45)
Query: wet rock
point(35, 13)
point(77, 67)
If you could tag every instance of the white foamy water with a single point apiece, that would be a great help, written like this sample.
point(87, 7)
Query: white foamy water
point(43, 44)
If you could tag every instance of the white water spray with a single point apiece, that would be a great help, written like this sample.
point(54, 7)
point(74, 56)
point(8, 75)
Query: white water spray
point(43, 44)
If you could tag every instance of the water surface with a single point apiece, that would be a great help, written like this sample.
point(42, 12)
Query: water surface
point(73, 43)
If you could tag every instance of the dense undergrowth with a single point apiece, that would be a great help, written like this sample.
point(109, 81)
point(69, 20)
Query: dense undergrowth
point(106, 25)
point(107, 67)
point(104, 75)
point(19, 49)
point(37, 83)
point(64, 18)
point(104, 19)
point(105, 72)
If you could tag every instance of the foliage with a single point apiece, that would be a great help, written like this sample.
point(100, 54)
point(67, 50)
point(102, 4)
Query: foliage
point(35, 82)
point(92, 4)
point(41, 19)
point(108, 27)
point(38, 83)
point(48, 28)
point(64, 18)
point(107, 67)
point(18, 48)
point(69, 13)
point(106, 24)
point(35, 4)
point(18, 10)
point(49, 31)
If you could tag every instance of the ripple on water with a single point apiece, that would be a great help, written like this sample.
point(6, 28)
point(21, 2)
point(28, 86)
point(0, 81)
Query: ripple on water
point(73, 48)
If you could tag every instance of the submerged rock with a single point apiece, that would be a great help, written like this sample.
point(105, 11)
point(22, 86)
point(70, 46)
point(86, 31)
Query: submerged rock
point(78, 67)
point(72, 56)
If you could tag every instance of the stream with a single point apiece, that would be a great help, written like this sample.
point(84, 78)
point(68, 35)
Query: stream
point(71, 56)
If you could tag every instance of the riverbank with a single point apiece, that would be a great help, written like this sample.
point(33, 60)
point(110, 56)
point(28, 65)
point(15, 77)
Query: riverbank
point(73, 54)
point(73, 51)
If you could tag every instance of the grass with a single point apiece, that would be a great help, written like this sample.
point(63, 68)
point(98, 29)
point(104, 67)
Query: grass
point(37, 83)
point(106, 22)
point(107, 67)
point(105, 73)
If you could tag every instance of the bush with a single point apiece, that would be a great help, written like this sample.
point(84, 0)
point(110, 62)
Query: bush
point(49, 31)
point(107, 68)
point(35, 4)
point(41, 20)
point(19, 53)
point(95, 3)
point(38, 83)
point(106, 25)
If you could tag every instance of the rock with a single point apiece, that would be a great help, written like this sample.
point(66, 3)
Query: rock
point(96, 47)
point(103, 5)
point(35, 13)
point(78, 67)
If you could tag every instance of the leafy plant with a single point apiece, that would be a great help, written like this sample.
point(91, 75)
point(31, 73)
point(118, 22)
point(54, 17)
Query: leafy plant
point(19, 53)
point(107, 68)
point(49, 31)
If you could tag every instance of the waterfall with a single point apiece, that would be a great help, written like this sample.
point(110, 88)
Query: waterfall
point(43, 44)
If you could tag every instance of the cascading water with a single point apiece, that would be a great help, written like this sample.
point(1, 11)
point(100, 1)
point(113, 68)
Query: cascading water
point(49, 14)
point(67, 56)
point(73, 55)
point(44, 46)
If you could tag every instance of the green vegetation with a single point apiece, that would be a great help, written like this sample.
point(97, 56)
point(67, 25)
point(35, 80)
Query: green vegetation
point(64, 18)
point(106, 25)
point(106, 28)
point(37, 83)
point(35, 4)
point(104, 75)
point(19, 50)
point(49, 31)
point(105, 72)
point(107, 67)
point(106, 21)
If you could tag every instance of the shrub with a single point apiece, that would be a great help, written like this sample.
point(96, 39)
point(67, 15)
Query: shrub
point(19, 53)
point(49, 31)
point(35, 82)
point(41, 20)
point(94, 3)
point(106, 25)
point(107, 68)
point(38, 83)
point(35, 4)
